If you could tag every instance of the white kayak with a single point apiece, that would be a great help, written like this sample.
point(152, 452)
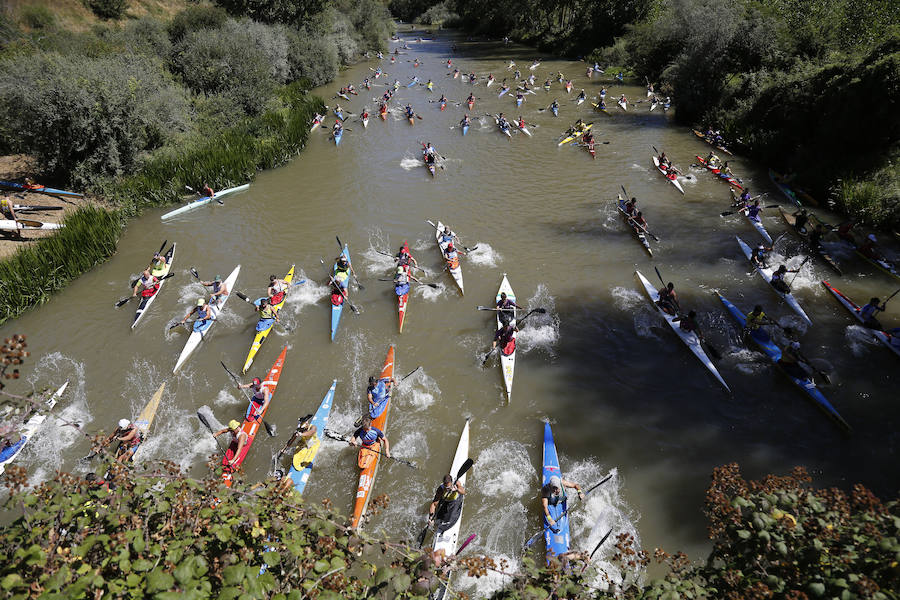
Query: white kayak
point(199, 332)
point(622, 105)
point(507, 362)
point(673, 180)
point(455, 272)
point(767, 275)
point(27, 224)
point(204, 201)
point(146, 302)
point(757, 224)
point(446, 540)
point(688, 337)
point(31, 426)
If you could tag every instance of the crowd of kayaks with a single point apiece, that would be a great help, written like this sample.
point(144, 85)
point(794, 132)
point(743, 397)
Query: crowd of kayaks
point(27, 224)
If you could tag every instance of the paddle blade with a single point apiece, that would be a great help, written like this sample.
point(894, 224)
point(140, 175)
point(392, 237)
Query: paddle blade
point(270, 429)
point(123, 301)
point(532, 539)
point(195, 273)
point(464, 468)
point(243, 297)
point(421, 539)
point(205, 422)
point(162, 246)
point(466, 543)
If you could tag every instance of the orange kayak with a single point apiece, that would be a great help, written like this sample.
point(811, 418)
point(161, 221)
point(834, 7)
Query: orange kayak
point(251, 426)
point(367, 459)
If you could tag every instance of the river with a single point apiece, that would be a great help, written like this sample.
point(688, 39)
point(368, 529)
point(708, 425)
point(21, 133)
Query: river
point(624, 395)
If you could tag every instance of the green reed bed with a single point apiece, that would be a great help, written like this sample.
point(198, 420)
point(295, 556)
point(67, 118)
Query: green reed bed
point(34, 272)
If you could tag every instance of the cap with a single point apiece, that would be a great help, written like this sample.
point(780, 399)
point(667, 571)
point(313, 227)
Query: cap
point(872, 237)
point(200, 301)
point(232, 424)
point(217, 278)
point(256, 381)
point(123, 423)
point(556, 482)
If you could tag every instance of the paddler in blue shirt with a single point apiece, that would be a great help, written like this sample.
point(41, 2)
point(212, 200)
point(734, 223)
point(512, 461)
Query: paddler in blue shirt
point(203, 312)
point(219, 289)
point(368, 435)
point(554, 493)
point(378, 393)
point(867, 314)
point(752, 210)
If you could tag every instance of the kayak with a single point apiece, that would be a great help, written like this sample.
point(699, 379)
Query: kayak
point(598, 109)
point(412, 83)
point(620, 204)
point(412, 121)
point(556, 541)
point(26, 225)
point(575, 135)
point(757, 224)
point(34, 208)
point(590, 148)
point(403, 299)
point(201, 330)
point(301, 464)
point(337, 136)
point(716, 171)
point(158, 273)
point(337, 309)
point(673, 178)
point(266, 324)
point(653, 104)
point(465, 129)
point(456, 272)
point(554, 110)
point(31, 426)
point(37, 189)
point(339, 114)
point(204, 201)
point(507, 361)
point(518, 102)
point(316, 122)
point(766, 274)
point(443, 106)
point(794, 195)
point(700, 135)
point(524, 130)
point(765, 343)
point(250, 426)
point(688, 337)
point(447, 529)
point(145, 419)
point(881, 262)
point(622, 105)
point(812, 221)
point(430, 166)
point(365, 121)
point(884, 337)
point(470, 104)
point(367, 460)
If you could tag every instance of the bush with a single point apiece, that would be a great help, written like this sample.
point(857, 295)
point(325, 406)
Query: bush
point(408, 10)
point(108, 9)
point(291, 12)
point(371, 21)
point(312, 57)
point(440, 14)
point(86, 117)
point(144, 36)
point(37, 16)
point(196, 18)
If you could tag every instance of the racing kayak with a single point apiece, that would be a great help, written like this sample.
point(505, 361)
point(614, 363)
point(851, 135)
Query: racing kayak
point(470, 104)
point(700, 135)
point(145, 419)
point(554, 110)
point(337, 309)
point(403, 299)
point(31, 426)
point(673, 178)
point(598, 109)
point(556, 538)
point(34, 208)
point(447, 528)
point(688, 337)
point(201, 328)
point(456, 271)
point(622, 105)
point(757, 222)
point(575, 134)
point(732, 181)
point(367, 460)
point(879, 261)
point(766, 274)
point(301, 464)
point(158, 273)
point(365, 121)
point(794, 195)
point(26, 225)
point(507, 360)
point(337, 136)
point(430, 166)
point(204, 201)
point(465, 129)
point(524, 130)
point(264, 326)
point(339, 114)
point(620, 204)
point(884, 337)
point(37, 189)
point(812, 221)
point(765, 343)
point(250, 426)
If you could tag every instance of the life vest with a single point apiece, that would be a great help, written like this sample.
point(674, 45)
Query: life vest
point(754, 321)
point(277, 297)
point(453, 260)
point(337, 298)
point(509, 348)
point(450, 494)
point(151, 286)
point(267, 313)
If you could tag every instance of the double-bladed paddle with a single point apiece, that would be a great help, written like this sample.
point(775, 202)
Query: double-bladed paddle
point(205, 422)
point(535, 537)
point(538, 310)
point(128, 298)
point(337, 436)
point(180, 323)
point(731, 212)
point(594, 551)
point(338, 286)
point(269, 428)
point(352, 272)
point(631, 219)
point(462, 471)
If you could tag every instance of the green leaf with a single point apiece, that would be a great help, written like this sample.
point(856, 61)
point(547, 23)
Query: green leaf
point(184, 573)
point(743, 534)
point(383, 574)
point(401, 583)
point(11, 581)
point(271, 558)
point(781, 547)
point(159, 581)
point(139, 544)
point(321, 566)
point(338, 563)
point(142, 564)
point(817, 589)
point(233, 575)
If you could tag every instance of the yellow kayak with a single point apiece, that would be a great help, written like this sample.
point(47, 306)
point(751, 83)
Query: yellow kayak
point(262, 334)
point(578, 133)
point(145, 419)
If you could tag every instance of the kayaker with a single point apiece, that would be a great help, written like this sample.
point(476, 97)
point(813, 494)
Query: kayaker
point(581, 96)
point(219, 289)
point(712, 160)
point(259, 399)
point(302, 436)
point(506, 309)
point(206, 191)
point(867, 314)
point(791, 358)
point(267, 312)
point(726, 170)
point(630, 206)
point(521, 122)
point(554, 106)
point(342, 270)
point(668, 299)
point(466, 122)
point(752, 210)
point(378, 393)
point(517, 75)
point(338, 129)
point(428, 149)
point(7, 212)
point(429, 86)
point(147, 283)
point(778, 281)
point(869, 249)
point(472, 78)
point(339, 112)
point(364, 116)
point(815, 237)
point(601, 105)
point(401, 280)
point(505, 337)
point(844, 231)
point(639, 220)
point(553, 494)
point(589, 72)
point(756, 319)
point(409, 112)
point(429, 159)
point(366, 83)
point(664, 160)
point(447, 504)
point(276, 289)
point(745, 197)
point(689, 323)
point(588, 138)
point(520, 98)
point(547, 84)
point(238, 441)
point(404, 258)
point(602, 93)
point(368, 436)
point(452, 256)
point(203, 311)
point(129, 437)
point(800, 220)
point(759, 256)
point(448, 236)
point(623, 99)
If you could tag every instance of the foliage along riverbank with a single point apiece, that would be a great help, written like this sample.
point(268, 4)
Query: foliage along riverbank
point(803, 86)
point(157, 533)
point(134, 110)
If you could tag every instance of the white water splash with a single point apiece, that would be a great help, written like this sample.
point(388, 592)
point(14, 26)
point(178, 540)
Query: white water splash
point(540, 330)
point(429, 293)
point(627, 299)
point(419, 391)
point(484, 256)
point(408, 164)
point(505, 470)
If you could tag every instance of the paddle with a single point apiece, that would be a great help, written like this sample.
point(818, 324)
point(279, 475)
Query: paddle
point(358, 284)
point(534, 538)
point(36, 208)
point(730, 212)
point(714, 352)
point(337, 436)
point(465, 543)
point(180, 323)
point(462, 471)
point(287, 327)
point(269, 428)
point(518, 322)
point(203, 420)
point(128, 298)
point(597, 547)
point(134, 281)
point(798, 270)
point(336, 284)
point(196, 192)
point(431, 285)
point(631, 219)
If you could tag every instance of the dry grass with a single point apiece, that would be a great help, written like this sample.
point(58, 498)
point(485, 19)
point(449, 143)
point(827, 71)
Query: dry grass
point(73, 15)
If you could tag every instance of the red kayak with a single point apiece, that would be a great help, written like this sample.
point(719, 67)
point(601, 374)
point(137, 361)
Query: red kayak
point(731, 180)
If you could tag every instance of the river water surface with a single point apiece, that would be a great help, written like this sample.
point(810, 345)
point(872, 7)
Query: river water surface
point(624, 395)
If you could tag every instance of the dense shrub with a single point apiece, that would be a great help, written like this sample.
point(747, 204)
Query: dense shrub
point(196, 18)
point(108, 9)
point(408, 10)
point(440, 14)
point(37, 16)
point(371, 22)
point(312, 57)
point(293, 12)
point(144, 36)
point(81, 117)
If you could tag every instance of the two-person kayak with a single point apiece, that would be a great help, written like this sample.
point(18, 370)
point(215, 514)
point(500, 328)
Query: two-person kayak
point(507, 354)
point(730, 179)
point(9, 454)
point(452, 265)
point(888, 339)
point(37, 189)
point(264, 326)
point(160, 274)
point(302, 461)
point(638, 232)
point(812, 222)
point(671, 177)
point(766, 274)
point(201, 328)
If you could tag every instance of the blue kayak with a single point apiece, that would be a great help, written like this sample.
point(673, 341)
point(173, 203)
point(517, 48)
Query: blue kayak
point(339, 114)
point(555, 111)
point(37, 189)
point(301, 464)
point(764, 342)
point(337, 309)
point(338, 136)
point(465, 129)
point(557, 542)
